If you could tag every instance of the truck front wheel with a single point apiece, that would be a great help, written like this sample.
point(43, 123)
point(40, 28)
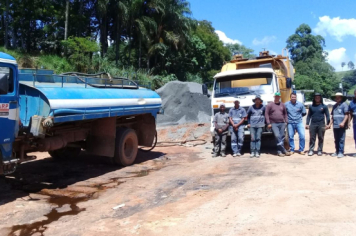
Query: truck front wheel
point(126, 147)
point(65, 153)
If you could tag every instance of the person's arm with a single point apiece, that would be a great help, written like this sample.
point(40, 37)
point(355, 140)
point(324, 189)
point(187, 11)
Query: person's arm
point(249, 115)
point(267, 114)
point(308, 118)
point(327, 114)
point(285, 114)
point(350, 115)
point(346, 117)
point(227, 125)
point(331, 119)
point(304, 112)
point(215, 123)
point(230, 118)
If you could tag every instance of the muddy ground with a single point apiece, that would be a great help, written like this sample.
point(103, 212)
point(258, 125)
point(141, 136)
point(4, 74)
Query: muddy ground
point(183, 191)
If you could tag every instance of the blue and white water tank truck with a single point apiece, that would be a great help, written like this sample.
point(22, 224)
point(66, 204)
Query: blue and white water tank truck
point(63, 114)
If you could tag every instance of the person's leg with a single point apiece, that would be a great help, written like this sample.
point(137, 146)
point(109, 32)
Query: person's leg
point(336, 140)
point(253, 139)
point(240, 139)
point(342, 140)
point(217, 143)
point(321, 133)
point(223, 144)
point(301, 134)
point(258, 140)
point(291, 132)
point(312, 133)
point(275, 130)
point(234, 141)
point(282, 135)
point(355, 133)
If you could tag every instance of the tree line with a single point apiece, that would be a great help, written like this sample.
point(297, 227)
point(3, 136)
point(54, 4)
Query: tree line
point(159, 36)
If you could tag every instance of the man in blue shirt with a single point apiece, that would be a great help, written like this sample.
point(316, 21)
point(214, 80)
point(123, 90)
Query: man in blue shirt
point(340, 113)
point(352, 115)
point(237, 117)
point(296, 111)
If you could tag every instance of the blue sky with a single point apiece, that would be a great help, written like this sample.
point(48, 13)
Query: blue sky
point(261, 24)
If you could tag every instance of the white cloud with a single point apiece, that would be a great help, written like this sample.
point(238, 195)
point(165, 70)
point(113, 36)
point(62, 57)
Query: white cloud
point(225, 39)
point(336, 27)
point(265, 41)
point(336, 57)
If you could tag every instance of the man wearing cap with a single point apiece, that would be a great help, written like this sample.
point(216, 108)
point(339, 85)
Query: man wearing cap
point(221, 124)
point(352, 115)
point(339, 120)
point(256, 122)
point(276, 119)
point(296, 111)
point(237, 117)
point(317, 113)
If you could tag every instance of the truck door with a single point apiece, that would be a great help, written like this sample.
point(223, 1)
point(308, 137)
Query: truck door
point(9, 111)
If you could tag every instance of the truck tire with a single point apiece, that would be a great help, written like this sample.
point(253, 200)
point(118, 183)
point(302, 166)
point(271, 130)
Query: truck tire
point(65, 153)
point(126, 147)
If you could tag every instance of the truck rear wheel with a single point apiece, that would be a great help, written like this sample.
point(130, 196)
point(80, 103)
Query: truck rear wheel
point(65, 153)
point(126, 147)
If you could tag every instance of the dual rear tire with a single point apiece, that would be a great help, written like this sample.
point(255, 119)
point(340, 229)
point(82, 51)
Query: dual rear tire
point(126, 148)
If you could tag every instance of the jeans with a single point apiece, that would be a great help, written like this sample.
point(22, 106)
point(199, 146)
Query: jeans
point(256, 133)
point(278, 130)
point(313, 131)
point(220, 142)
point(339, 136)
point(237, 139)
point(301, 133)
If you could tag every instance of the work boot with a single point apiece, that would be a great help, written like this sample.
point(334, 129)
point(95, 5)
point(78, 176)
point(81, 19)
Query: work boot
point(354, 155)
point(340, 155)
point(223, 154)
point(320, 153)
point(302, 153)
point(281, 154)
point(252, 154)
point(334, 154)
point(238, 154)
point(288, 153)
point(215, 155)
point(310, 153)
point(257, 155)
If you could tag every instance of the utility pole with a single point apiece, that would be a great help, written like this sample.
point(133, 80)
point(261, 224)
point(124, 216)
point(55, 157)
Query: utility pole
point(66, 23)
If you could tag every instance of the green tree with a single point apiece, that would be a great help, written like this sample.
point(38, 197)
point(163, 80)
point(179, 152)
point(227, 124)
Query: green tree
point(351, 65)
point(342, 65)
point(241, 49)
point(309, 58)
point(80, 51)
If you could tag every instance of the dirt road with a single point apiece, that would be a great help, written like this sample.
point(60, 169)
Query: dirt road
point(183, 191)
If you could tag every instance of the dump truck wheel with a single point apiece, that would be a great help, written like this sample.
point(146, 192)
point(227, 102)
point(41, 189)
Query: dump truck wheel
point(65, 153)
point(126, 147)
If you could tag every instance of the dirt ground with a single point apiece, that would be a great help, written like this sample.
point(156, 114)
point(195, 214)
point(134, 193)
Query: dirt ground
point(183, 191)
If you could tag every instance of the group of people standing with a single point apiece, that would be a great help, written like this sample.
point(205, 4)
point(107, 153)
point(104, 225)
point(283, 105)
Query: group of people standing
point(278, 116)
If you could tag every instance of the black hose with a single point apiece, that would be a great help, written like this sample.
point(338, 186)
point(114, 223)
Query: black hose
point(153, 146)
point(77, 74)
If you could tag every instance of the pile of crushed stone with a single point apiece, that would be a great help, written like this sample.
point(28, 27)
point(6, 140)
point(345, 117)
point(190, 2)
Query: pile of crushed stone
point(183, 102)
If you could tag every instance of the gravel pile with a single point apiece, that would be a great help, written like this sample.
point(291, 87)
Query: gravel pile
point(183, 102)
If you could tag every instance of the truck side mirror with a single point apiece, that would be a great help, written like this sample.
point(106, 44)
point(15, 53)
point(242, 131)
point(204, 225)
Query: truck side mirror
point(204, 89)
point(288, 82)
point(4, 84)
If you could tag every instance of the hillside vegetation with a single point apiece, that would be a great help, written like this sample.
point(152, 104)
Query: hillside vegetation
point(155, 41)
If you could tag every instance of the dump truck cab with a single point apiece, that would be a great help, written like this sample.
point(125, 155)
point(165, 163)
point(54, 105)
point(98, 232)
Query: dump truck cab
point(242, 79)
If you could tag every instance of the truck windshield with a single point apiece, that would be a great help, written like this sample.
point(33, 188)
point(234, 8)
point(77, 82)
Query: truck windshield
point(259, 83)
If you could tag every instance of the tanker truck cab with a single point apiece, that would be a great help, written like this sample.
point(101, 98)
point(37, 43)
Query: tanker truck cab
point(242, 79)
point(9, 115)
